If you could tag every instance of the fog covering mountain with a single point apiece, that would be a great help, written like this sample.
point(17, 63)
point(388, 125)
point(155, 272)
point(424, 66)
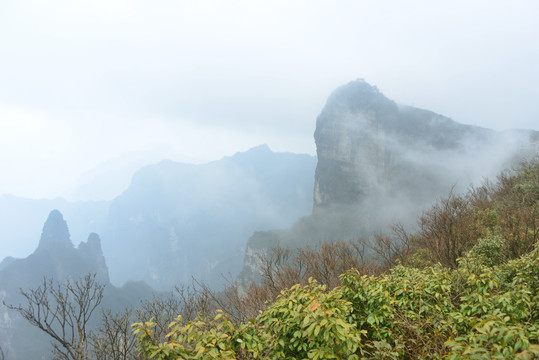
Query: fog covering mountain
point(179, 221)
point(175, 220)
point(380, 162)
point(55, 257)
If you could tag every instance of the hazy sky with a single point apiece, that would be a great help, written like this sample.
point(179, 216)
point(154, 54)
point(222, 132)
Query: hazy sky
point(102, 86)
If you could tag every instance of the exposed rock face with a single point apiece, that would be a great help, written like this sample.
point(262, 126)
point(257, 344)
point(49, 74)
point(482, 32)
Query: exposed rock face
point(92, 254)
point(371, 150)
point(367, 146)
point(380, 162)
point(345, 134)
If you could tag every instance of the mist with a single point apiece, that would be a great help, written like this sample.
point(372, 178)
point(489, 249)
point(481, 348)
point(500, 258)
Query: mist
point(380, 164)
point(90, 83)
point(134, 129)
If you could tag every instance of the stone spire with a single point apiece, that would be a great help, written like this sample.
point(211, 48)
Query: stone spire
point(55, 232)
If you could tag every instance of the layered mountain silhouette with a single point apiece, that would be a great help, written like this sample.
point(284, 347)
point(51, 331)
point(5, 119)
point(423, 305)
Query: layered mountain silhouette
point(377, 162)
point(21, 219)
point(55, 257)
point(179, 221)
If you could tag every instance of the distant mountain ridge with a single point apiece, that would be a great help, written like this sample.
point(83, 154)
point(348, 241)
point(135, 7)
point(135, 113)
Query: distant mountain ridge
point(175, 219)
point(377, 162)
point(181, 221)
point(55, 256)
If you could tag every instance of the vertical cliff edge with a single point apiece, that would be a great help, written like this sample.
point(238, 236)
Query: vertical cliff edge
point(380, 163)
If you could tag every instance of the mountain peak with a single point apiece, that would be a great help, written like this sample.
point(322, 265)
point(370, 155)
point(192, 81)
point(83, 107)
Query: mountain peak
point(55, 232)
point(260, 149)
point(92, 245)
point(357, 95)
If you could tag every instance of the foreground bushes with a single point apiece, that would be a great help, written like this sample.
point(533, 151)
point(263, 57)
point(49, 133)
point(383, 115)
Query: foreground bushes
point(465, 286)
point(474, 311)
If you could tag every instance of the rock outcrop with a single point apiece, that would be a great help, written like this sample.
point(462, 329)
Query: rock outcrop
point(55, 233)
point(21, 219)
point(55, 257)
point(380, 162)
point(58, 260)
point(370, 147)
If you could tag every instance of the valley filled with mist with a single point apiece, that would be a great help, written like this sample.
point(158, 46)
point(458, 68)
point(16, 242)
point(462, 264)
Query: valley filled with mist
point(378, 165)
point(283, 180)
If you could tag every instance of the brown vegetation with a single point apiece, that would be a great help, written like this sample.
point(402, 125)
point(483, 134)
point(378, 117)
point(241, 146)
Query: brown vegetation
point(496, 220)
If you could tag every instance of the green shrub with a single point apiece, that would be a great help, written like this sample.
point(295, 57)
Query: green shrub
point(490, 250)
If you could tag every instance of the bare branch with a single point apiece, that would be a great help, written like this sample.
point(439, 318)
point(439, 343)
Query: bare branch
point(63, 311)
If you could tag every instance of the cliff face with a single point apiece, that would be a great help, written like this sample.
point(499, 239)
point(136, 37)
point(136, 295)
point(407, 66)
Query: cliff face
point(370, 148)
point(380, 162)
point(345, 136)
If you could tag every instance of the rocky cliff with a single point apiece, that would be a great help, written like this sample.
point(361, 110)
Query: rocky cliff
point(21, 219)
point(369, 146)
point(381, 162)
point(56, 257)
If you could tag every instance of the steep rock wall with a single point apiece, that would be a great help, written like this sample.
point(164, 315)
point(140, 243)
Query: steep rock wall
point(380, 163)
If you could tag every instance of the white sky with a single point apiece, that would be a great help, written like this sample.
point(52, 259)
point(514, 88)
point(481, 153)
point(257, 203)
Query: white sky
point(99, 87)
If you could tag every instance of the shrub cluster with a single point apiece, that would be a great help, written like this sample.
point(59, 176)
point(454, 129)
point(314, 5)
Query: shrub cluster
point(474, 311)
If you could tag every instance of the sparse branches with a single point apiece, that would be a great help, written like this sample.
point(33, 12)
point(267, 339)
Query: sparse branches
point(281, 270)
point(517, 204)
point(114, 339)
point(189, 301)
point(404, 241)
point(447, 229)
point(386, 250)
point(162, 310)
point(239, 305)
point(330, 261)
point(62, 311)
point(194, 300)
point(325, 263)
point(278, 271)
